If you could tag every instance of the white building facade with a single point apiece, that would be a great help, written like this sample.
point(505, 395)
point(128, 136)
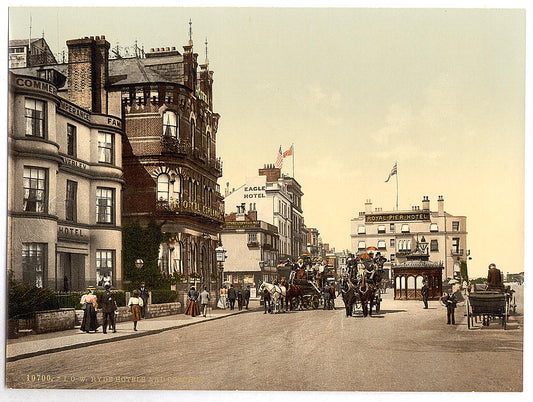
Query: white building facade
point(395, 233)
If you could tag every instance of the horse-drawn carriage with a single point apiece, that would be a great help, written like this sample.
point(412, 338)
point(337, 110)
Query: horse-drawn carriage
point(361, 286)
point(486, 303)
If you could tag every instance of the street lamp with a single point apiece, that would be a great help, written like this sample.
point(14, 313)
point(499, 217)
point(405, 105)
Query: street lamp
point(220, 253)
point(139, 263)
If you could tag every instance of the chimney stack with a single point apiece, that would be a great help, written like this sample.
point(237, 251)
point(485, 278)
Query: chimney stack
point(368, 206)
point(425, 203)
point(440, 203)
point(88, 73)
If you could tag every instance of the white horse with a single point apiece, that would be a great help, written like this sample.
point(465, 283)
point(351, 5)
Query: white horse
point(278, 294)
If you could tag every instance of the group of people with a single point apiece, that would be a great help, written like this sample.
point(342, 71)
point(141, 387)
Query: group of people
point(228, 297)
point(312, 270)
point(108, 305)
point(198, 302)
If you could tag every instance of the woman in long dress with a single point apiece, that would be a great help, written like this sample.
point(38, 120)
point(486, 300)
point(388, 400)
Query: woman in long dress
point(192, 305)
point(89, 304)
point(135, 304)
point(223, 298)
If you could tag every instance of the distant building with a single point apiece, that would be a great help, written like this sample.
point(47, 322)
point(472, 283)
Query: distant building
point(252, 249)
point(30, 53)
point(394, 234)
point(277, 200)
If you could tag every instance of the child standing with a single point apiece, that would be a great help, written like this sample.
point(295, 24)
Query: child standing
point(135, 305)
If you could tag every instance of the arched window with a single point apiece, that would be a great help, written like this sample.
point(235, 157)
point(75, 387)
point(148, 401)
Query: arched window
point(405, 228)
point(162, 187)
point(177, 188)
point(190, 191)
point(433, 227)
point(170, 124)
point(361, 245)
point(178, 258)
point(193, 131)
point(208, 145)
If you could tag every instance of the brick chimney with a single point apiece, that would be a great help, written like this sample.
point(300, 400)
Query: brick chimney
point(440, 203)
point(368, 206)
point(88, 73)
point(425, 203)
point(271, 172)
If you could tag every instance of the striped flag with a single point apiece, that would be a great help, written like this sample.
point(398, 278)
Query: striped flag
point(279, 159)
point(288, 152)
point(393, 172)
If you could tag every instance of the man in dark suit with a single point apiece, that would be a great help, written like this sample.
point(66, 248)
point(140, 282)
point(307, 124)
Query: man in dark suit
point(239, 298)
point(144, 295)
point(232, 296)
point(494, 277)
point(424, 292)
point(246, 297)
point(109, 306)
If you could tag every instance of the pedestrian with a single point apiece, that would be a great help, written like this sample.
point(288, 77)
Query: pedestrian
point(135, 305)
point(450, 302)
point(239, 298)
point(424, 292)
point(145, 295)
point(109, 306)
point(192, 304)
point(327, 295)
point(266, 300)
point(89, 304)
point(204, 301)
point(223, 298)
point(232, 295)
point(246, 297)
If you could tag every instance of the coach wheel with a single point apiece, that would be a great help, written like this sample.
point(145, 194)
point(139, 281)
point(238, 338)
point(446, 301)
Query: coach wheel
point(314, 302)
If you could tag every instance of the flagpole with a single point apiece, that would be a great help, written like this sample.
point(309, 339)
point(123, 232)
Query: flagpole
point(292, 146)
point(397, 209)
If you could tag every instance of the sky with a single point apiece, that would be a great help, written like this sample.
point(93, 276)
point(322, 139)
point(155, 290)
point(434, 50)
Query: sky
point(439, 91)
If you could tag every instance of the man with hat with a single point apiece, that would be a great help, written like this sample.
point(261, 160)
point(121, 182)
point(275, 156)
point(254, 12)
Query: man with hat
point(424, 292)
point(144, 294)
point(109, 306)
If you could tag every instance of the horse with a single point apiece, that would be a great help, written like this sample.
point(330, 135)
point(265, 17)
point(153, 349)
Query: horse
point(277, 293)
point(349, 295)
point(366, 291)
point(293, 292)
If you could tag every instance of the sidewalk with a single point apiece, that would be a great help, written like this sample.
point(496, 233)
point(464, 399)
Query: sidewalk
point(40, 344)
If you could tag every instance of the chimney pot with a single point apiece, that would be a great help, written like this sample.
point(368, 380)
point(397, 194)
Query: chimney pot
point(103, 37)
point(168, 49)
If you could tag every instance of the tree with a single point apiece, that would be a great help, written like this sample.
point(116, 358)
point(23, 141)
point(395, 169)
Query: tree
point(464, 271)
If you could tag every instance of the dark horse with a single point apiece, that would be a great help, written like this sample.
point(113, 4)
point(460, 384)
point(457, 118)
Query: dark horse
point(294, 293)
point(349, 295)
point(366, 291)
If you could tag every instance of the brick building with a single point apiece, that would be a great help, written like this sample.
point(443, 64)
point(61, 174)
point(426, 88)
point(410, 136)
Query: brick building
point(64, 172)
point(169, 155)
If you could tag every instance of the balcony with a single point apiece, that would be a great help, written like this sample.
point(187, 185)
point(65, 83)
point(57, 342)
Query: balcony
point(190, 208)
point(171, 144)
point(403, 253)
point(253, 244)
point(456, 252)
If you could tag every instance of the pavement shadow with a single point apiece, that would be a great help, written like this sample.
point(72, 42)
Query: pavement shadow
point(381, 312)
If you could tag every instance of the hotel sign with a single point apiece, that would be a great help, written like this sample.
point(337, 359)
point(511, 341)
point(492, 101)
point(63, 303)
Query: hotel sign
point(242, 224)
point(255, 192)
point(418, 216)
point(74, 110)
point(74, 163)
point(70, 233)
point(30, 83)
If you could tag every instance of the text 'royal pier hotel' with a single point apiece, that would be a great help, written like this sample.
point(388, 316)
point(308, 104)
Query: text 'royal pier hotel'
point(395, 234)
point(87, 134)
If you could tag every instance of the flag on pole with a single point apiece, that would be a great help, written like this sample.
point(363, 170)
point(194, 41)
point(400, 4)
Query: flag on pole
point(288, 152)
point(279, 159)
point(392, 172)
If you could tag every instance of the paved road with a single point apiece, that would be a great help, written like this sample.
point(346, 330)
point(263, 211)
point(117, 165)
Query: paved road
point(405, 348)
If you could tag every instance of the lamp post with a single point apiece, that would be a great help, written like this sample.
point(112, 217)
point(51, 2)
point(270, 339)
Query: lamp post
point(221, 257)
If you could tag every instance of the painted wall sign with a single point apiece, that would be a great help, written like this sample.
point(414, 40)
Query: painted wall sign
point(419, 216)
point(74, 163)
point(74, 110)
point(254, 192)
point(66, 232)
point(25, 82)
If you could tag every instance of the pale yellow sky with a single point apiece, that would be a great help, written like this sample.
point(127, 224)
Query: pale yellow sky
point(439, 91)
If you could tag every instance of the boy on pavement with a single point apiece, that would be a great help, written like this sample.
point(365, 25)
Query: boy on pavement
point(204, 301)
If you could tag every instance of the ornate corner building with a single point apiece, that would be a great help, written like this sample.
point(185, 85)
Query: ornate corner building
point(169, 155)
